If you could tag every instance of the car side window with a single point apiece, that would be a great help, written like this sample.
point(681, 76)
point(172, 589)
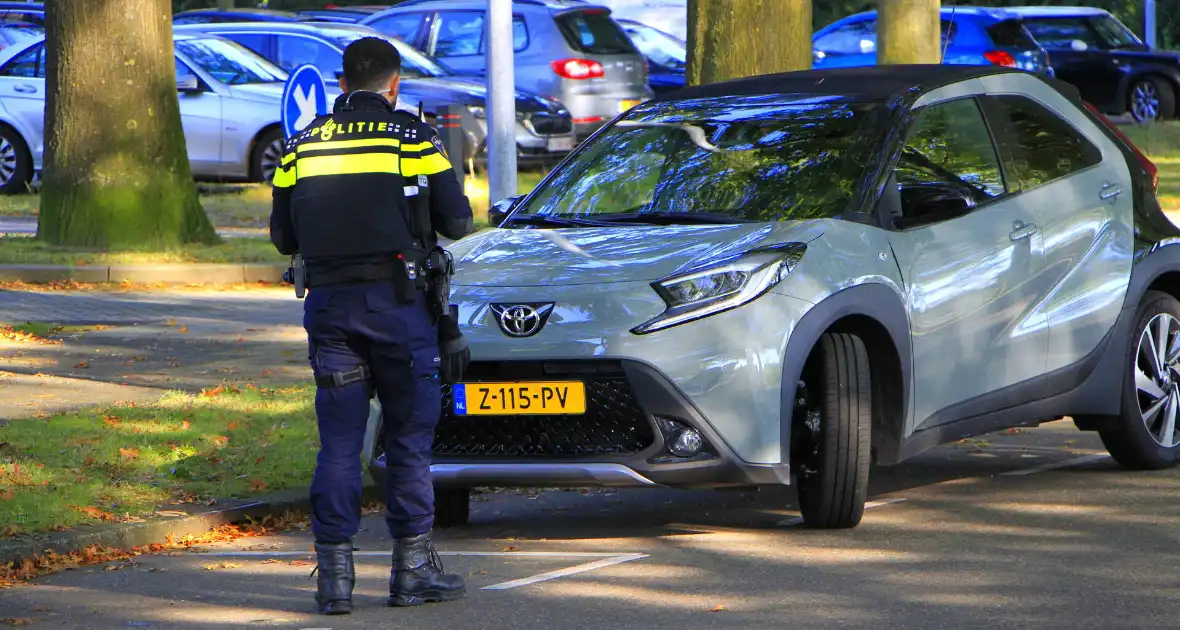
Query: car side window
point(1045, 147)
point(857, 38)
point(253, 41)
point(520, 36)
point(457, 34)
point(403, 26)
point(293, 51)
point(949, 164)
point(28, 65)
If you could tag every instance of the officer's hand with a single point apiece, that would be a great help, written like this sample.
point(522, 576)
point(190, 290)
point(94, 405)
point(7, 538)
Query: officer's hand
point(453, 351)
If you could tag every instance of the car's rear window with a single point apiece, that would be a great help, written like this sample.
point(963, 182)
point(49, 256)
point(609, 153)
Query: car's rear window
point(1011, 34)
point(594, 33)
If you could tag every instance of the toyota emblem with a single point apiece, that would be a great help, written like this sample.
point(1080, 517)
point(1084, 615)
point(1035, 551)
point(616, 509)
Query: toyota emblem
point(522, 320)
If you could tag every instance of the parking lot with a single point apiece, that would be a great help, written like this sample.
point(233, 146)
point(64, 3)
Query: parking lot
point(1034, 529)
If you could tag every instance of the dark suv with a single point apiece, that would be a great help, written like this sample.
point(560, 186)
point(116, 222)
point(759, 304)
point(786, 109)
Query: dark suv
point(1110, 66)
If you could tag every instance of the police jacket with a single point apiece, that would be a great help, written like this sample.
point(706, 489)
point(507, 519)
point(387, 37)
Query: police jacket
point(364, 184)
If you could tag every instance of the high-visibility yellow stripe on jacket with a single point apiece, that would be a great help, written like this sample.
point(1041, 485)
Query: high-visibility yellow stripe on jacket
point(423, 159)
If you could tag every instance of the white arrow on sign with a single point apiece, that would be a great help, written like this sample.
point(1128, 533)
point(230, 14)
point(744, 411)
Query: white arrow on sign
point(307, 106)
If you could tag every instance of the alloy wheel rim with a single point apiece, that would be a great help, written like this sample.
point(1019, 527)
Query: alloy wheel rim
point(1157, 378)
point(270, 160)
point(7, 161)
point(1145, 101)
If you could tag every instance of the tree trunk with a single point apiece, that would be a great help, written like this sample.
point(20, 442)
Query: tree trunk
point(908, 31)
point(116, 170)
point(728, 39)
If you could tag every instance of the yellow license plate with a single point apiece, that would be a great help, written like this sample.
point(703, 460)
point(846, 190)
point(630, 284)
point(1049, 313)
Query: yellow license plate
point(628, 104)
point(498, 399)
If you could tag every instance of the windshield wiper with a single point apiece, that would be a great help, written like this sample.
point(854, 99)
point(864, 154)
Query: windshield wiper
point(543, 219)
point(674, 218)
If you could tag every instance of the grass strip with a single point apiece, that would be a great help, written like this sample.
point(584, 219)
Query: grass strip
point(124, 462)
point(23, 250)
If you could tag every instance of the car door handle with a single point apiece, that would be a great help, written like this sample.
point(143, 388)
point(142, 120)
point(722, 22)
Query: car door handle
point(1109, 191)
point(1021, 230)
point(25, 89)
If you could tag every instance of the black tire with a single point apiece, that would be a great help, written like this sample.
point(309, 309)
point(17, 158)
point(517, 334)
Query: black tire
point(15, 162)
point(1130, 441)
point(834, 482)
point(259, 155)
point(452, 506)
point(1164, 99)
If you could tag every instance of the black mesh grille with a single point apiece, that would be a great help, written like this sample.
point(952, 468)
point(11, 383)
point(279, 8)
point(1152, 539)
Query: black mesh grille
point(549, 124)
point(614, 423)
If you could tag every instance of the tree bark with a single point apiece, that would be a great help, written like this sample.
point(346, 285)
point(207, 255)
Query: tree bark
point(116, 171)
point(728, 39)
point(908, 31)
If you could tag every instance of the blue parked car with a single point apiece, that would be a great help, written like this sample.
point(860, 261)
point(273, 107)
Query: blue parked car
point(978, 36)
point(666, 55)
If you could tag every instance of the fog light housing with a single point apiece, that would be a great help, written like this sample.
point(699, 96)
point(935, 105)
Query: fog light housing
point(686, 443)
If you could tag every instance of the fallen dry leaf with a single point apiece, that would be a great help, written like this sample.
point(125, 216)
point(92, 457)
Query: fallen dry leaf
point(185, 424)
point(110, 420)
point(94, 512)
point(213, 392)
point(719, 608)
point(510, 548)
point(183, 329)
point(272, 561)
point(257, 485)
point(220, 565)
point(129, 453)
point(17, 621)
point(83, 364)
point(221, 440)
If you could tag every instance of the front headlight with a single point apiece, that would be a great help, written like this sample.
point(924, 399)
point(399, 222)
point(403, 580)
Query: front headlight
point(721, 286)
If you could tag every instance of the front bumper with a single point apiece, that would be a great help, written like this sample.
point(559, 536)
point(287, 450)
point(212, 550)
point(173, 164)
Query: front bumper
point(619, 442)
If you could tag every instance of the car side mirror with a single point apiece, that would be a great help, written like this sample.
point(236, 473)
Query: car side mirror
point(501, 209)
point(187, 83)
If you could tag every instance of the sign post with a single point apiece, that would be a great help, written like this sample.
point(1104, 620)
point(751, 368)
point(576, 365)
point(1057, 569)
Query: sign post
point(304, 98)
point(502, 102)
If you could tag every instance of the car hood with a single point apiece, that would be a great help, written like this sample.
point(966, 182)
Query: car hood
point(531, 257)
point(468, 92)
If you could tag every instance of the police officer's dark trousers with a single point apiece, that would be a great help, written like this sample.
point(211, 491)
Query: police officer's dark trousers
point(355, 324)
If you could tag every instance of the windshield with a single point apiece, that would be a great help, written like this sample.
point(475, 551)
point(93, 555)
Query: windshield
point(15, 34)
point(1100, 32)
point(759, 158)
point(230, 63)
point(661, 48)
point(415, 65)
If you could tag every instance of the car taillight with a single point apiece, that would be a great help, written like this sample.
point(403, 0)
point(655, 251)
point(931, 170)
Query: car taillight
point(578, 68)
point(1000, 58)
point(1148, 165)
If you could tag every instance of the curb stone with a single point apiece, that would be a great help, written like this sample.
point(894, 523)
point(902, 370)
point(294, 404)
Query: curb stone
point(193, 273)
point(157, 530)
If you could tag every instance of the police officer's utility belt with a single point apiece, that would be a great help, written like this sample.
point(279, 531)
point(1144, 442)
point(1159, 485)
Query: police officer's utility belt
point(405, 274)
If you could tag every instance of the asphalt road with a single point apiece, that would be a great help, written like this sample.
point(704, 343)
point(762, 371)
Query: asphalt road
point(1030, 530)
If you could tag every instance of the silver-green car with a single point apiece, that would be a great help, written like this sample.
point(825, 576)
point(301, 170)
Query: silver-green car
point(785, 278)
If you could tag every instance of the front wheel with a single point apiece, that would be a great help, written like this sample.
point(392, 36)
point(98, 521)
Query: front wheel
point(1152, 99)
point(264, 159)
point(832, 433)
point(1146, 435)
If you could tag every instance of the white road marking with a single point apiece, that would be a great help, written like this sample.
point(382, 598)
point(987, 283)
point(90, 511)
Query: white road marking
point(606, 559)
point(795, 520)
point(581, 568)
point(1054, 465)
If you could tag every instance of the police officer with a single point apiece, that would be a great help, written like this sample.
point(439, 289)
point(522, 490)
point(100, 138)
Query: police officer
point(358, 196)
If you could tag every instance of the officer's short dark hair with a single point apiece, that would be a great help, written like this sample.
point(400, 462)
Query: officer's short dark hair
point(370, 63)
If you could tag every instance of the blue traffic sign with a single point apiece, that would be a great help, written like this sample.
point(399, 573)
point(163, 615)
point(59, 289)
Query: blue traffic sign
point(304, 98)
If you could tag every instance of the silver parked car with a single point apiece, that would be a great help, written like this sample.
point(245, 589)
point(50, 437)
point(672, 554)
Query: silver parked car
point(782, 279)
point(568, 50)
point(229, 107)
point(544, 128)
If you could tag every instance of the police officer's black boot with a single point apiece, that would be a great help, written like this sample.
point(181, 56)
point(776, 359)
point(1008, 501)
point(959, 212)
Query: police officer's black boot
point(417, 576)
point(337, 576)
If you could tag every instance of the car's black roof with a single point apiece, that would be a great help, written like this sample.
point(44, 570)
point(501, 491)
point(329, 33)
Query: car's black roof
point(880, 83)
